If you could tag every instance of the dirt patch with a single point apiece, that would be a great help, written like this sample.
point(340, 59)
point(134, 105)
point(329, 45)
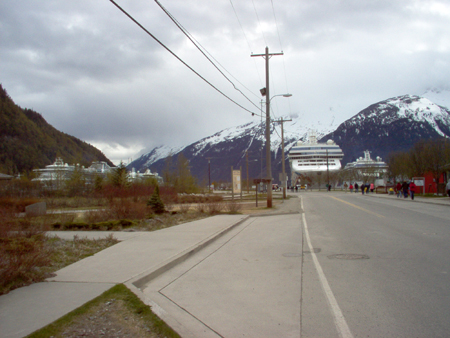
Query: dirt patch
point(112, 318)
point(116, 313)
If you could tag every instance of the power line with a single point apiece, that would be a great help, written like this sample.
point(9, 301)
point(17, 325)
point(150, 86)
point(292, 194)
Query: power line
point(235, 13)
point(276, 24)
point(198, 45)
point(281, 47)
point(259, 22)
point(248, 43)
point(179, 59)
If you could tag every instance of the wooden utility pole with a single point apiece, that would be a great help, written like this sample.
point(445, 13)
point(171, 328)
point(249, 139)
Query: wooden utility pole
point(267, 56)
point(283, 160)
point(246, 161)
point(209, 173)
point(328, 175)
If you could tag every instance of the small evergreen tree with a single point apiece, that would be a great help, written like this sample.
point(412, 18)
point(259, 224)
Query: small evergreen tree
point(119, 176)
point(155, 202)
point(98, 183)
point(76, 184)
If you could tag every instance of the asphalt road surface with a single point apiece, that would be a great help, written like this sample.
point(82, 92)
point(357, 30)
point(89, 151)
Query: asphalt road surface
point(346, 265)
point(381, 267)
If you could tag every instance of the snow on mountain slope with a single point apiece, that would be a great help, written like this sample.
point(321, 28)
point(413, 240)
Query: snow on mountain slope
point(390, 125)
point(395, 124)
point(410, 107)
point(231, 144)
point(147, 159)
point(438, 96)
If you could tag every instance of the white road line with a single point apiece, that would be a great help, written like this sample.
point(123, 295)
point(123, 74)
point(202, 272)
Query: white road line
point(339, 319)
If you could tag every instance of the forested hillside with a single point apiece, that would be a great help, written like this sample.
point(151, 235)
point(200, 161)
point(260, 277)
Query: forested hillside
point(27, 141)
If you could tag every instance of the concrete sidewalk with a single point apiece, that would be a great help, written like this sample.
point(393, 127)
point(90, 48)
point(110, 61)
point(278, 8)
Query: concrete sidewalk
point(139, 255)
point(417, 199)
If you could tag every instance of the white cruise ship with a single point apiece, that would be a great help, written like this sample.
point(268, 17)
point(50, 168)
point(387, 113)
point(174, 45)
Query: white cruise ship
point(368, 167)
point(315, 157)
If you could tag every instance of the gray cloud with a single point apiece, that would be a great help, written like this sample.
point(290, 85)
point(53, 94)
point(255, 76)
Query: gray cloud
point(93, 73)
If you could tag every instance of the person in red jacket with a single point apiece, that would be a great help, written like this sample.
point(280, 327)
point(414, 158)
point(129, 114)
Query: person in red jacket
point(412, 189)
point(399, 189)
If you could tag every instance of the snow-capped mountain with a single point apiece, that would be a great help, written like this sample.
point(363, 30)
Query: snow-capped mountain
point(146, 159)
point(390, 125)
point(228, 148)
point(439, 96)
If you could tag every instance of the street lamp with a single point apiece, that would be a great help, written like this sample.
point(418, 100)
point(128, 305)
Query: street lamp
point(284, 95)
point(268, 159)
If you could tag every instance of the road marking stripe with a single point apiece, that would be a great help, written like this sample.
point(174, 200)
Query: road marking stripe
point(339, 319)
point(355, 206)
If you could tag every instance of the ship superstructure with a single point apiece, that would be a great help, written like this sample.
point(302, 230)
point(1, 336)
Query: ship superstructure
point(312, 156)
point(368, 167)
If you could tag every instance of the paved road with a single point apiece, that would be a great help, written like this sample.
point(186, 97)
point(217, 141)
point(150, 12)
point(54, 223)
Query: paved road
point(345, 266)
point(401, 290)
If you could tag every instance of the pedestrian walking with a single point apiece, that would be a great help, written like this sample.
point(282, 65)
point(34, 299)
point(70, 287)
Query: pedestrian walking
point(362, 188)
point(447, 187)
point(399, 189)
point(405, 189)
point(356, 186)
point(351, 187)
point(412, 189)
point(372, 186)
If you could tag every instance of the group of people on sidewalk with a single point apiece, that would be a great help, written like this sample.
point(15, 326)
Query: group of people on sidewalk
point(365, 188)
point(404, 189)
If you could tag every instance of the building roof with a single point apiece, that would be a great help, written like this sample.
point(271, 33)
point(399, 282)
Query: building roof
point(6, 177)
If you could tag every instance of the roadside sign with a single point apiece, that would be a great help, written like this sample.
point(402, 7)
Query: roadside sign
point(236, 181)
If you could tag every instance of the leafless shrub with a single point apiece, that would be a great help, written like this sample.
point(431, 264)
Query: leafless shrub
point(232, 207)
point(99, 215)
point(200, 207)
point(213, 208)
point(184, 208)
point(125, 208)
point(22, 252)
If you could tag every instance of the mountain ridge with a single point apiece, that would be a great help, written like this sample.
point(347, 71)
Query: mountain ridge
point(389, 125)
point(27, 141)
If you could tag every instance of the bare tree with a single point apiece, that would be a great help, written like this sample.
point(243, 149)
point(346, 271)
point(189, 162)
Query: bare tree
point(399, 163)
point(437, 156)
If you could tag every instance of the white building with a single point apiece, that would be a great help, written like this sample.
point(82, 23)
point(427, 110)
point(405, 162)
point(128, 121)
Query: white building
point(56, 173)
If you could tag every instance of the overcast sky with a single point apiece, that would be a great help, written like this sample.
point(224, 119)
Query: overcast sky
point(93, 73)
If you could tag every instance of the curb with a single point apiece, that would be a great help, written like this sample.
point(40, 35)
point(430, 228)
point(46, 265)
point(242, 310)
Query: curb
point(145, 277)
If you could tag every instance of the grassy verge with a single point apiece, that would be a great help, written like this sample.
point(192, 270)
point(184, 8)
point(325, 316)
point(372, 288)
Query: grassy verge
point(117, 312)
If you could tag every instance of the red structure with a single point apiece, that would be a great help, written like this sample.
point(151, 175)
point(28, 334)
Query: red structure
point(430, 184)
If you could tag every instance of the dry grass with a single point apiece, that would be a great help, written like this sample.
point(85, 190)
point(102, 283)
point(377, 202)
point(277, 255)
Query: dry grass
point(64, 252)
point(214, 208)
point(28, 256)
point(233, 207)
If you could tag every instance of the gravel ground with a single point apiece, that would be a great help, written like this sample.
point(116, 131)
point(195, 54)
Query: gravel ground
point(110, 319)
